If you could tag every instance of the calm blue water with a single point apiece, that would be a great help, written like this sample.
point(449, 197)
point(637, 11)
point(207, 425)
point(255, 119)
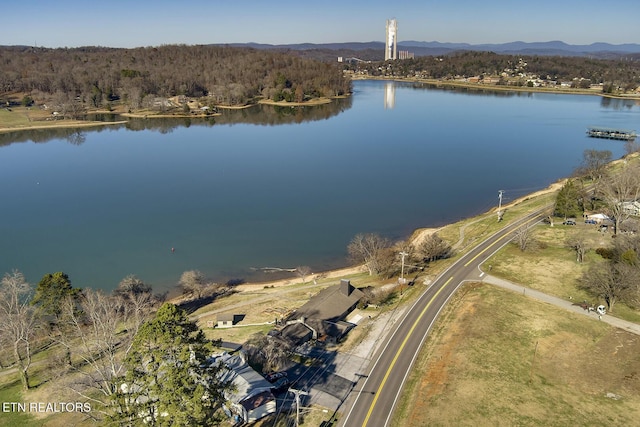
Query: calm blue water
point(229, 197)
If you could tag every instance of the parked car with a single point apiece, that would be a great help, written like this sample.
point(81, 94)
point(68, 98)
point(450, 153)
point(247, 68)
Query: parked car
point(275, 376)
point(569, 222)
point(590, 221)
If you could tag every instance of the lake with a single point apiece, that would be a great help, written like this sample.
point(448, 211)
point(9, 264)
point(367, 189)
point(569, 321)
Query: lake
point(280, 187)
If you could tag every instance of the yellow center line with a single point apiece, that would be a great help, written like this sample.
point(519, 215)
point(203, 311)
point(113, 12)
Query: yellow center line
point(395, 358)
point(484, 250)
point(494, 242)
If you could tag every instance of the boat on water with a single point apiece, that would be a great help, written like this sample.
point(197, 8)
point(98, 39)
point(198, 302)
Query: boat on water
point(608, 133)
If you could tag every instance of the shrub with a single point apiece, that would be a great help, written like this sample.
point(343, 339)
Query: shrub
point(605, 253)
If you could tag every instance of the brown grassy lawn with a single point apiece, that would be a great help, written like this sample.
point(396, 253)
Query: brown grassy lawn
point(264, 305)
point(34, 117)
point(498, 358)
point(472, 230)
point(551, 267)
point(22, 117)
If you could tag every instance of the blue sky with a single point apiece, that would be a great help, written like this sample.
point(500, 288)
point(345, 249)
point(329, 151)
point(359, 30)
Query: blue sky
point(133, 23)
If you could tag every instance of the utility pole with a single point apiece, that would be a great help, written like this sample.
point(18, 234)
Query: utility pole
point(401, 281)
point(500, 205)
point(402, 254)
point(297, 393)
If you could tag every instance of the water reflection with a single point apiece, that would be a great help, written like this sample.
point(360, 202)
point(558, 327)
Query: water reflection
point(230, 198)
point(263, 115)
point(619, 104)
point(77, 138)
point(389, 95)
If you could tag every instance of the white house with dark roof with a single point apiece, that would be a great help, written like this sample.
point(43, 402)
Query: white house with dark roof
point(251, 398)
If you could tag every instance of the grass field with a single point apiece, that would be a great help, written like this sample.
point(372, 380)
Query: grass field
point(263, 305)
point(8, 417)
point(20, 118)
point(497, 358)
point(550, 266)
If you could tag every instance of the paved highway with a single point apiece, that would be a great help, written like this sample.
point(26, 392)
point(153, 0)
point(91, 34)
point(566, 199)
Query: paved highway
point(374, 398)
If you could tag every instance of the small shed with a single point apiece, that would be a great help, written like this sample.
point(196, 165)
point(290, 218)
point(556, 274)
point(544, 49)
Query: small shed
point(227, 320)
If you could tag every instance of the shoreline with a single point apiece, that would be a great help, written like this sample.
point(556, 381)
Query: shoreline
point(43, 124)
point(339, 271)
point(497, 88)
point(413, 238)
point(417, 235)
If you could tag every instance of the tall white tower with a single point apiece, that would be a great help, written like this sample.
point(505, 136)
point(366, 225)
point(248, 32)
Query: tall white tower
point(391, 41)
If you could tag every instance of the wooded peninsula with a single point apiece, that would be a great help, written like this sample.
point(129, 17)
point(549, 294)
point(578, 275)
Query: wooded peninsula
point(72, 80)
point(188, 80)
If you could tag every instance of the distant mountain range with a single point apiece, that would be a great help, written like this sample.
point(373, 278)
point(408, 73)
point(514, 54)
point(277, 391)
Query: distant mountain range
point(551, 48)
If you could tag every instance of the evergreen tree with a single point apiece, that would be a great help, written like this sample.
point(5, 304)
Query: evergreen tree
point(51, 291)
point(168, 380)
point(569, 201)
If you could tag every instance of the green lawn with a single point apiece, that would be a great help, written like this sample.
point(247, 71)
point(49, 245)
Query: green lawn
point(9, 417)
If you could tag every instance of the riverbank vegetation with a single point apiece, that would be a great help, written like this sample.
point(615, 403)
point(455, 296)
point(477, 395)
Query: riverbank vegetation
point(70, 81)
point(488, 69)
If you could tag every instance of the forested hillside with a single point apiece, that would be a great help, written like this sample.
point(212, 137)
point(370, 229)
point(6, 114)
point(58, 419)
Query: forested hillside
point(98, 76)
point(622, 74)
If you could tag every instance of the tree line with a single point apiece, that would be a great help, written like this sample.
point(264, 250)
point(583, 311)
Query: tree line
point(613, 274)
point(100, 76)
point(130, 356)
point(612, 73)
point(596, 188)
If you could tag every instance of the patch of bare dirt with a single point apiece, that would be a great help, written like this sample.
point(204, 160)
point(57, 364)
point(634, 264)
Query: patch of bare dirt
point(443, 358)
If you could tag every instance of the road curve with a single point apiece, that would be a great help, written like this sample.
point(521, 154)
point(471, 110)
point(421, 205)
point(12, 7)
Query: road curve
point(374, 398)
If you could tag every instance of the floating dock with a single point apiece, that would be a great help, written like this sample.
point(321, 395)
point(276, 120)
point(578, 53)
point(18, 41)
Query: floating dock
point(607, 133)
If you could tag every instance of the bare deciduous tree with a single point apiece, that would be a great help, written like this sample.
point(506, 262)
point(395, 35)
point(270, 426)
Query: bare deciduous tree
point(18, 324)
point(610, 281)
point(523, 238)
point(98, 333)
point(368, 249)
point(593, 163)
point(138, 301)
point(433, 247)
point(579, 244)
point(302, 271)
point(192, 282)
point(131, 285)
point(631, 146)
point(271, 353)
point(620, 188)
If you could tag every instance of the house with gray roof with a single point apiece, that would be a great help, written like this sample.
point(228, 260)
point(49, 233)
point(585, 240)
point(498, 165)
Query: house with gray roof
point(251, 398)
point(322, 318)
